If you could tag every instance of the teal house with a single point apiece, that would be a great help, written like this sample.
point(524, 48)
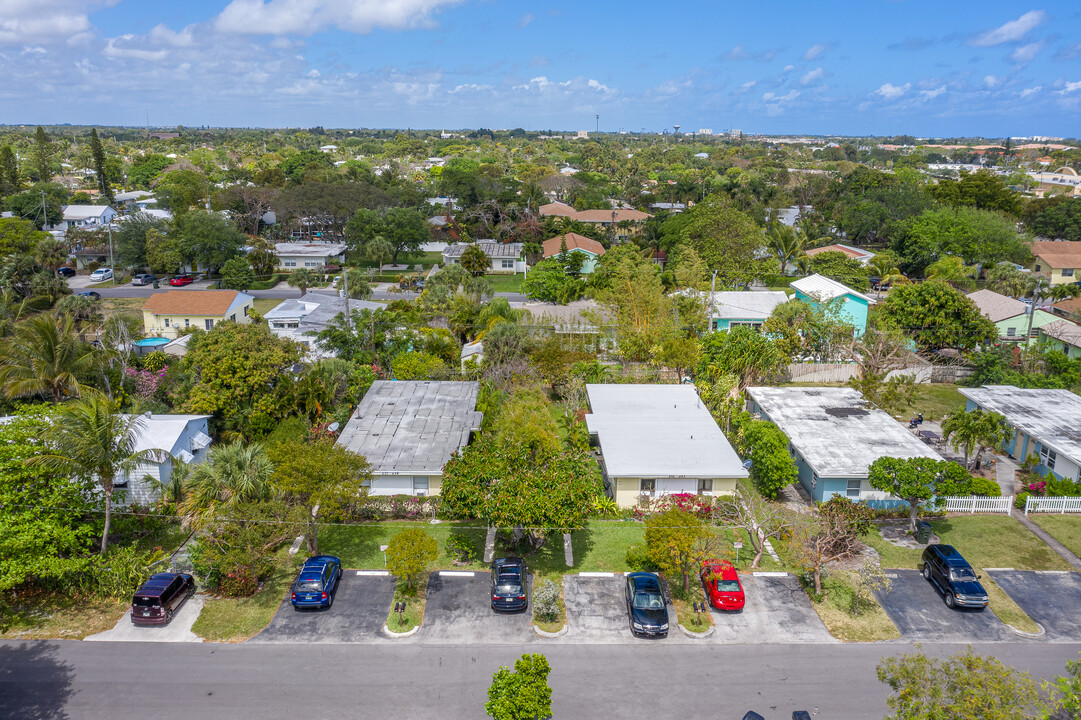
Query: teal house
point(734, 308)
point(1010, 316)
point(818, 290)
point(590, 249)
point(1061, 335)
point(833, 437)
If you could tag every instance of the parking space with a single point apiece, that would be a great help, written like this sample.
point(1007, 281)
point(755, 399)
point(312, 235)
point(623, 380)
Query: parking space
point(178, 630)
point(458, 609)
point(916, 607)
point(359, 612)
point(777, 610)
point(1050, 598)
point(597, 611)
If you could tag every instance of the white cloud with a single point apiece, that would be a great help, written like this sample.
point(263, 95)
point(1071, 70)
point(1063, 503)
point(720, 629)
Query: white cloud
point(1013, 31)
point(1027, 92)
point(787, 97)
point(525, 20)
point(814, 51)
point(304, 17)
point(788, 68)
point(991, 82)
point(1070, 87)
point(25, 22)
point(597, 86)
point(889, 91)
point(1026, 53)
point(816, 74)
point(749, 84)
point(933, 93)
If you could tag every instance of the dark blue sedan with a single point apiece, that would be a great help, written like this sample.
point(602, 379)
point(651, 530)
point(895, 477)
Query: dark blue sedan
point(317, 582)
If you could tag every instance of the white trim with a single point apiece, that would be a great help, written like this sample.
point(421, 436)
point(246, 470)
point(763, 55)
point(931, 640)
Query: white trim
point(456, 573)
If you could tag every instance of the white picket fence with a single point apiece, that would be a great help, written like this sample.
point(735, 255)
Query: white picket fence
point(1059, 505)
point(977, 504)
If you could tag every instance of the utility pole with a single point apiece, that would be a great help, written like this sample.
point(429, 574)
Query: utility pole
point(345, 286)
point(1032, 308)
point(112, 264)
point(44, 210)
point(712, 295)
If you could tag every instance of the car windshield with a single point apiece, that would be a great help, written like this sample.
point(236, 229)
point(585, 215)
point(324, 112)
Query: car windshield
point(143, 601)
point(727, 586)
point(962, 575)
point(648, 601)
point(308, 585)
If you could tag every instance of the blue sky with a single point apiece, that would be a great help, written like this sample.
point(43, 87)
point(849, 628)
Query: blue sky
point(948, 68)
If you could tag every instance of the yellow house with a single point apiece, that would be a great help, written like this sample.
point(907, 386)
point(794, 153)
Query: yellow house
point(1059, 260)
point(165, 314)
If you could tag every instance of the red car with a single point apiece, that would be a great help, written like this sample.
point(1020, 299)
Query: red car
point(182, 280)
point(722, 585)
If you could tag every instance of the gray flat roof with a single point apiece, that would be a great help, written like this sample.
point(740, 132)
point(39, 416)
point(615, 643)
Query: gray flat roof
point(834, 430)
point(404, 427)
point(316, 309)
point(1053, 417)
point(659, 431)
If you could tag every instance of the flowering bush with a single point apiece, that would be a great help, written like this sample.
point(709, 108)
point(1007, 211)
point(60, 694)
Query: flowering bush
point(147, 382)
point(698, 505)
point(1037, 488)
point(399, 507)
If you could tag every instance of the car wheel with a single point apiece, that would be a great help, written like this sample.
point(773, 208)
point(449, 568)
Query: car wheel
point(330, 601)
point(926, 571)
point(949, 600)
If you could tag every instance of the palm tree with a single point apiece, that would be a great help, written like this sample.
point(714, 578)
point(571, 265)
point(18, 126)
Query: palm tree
point(302, 278)
point(1005, 278)
point(884, 267)
point(379, 249)
point(232, 474)
point(12, 307)
point(92, 439)
point(953, 271)
point(975, 431)
point(786, 243)
point(475, 260)
point(51, 253)
point(45, 357)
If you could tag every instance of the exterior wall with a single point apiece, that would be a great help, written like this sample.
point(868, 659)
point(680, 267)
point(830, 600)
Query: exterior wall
point(1072, 351)
point(726, 324)
point(1021, 446)
point(141, 491)
point(627, 490)
point(292, 262)
point(156, 324)
point(853, 310)
point(1058, 276)
point(404, 484)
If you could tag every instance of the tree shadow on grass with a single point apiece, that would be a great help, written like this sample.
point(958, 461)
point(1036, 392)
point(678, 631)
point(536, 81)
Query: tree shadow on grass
point(35, 684)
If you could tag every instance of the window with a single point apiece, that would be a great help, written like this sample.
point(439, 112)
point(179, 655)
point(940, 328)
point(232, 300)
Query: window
point(209, 324)
point(647, 487)
point(508, 264)
point(1067, 272)
point(289, 263)
point(1011, 332)
point(187, 322)
point(705, 486)
point(420, 484)
point(853, 489)
point(166, 321)
point(1048, 457)
point(1037, 268)
point(311, 263)
point(232, 318)
point(814, 480)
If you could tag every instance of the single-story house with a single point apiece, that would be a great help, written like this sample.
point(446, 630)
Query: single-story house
point(557, 209)
point(585, 320)
point(129, 201)
point(834, 438)
point(184, 437)
point(1044, 422)
point(86, 217)
point(1010, 316)
point(733, 308)
point(605, 218)
point(590, 249)
point(659, 440)
point(818, 290)
point(863, 256)
point(315, 255)
point(408, 429)
point(1070, 308)
point(1061, 335)
point(296, 318)
point(1058, 260)
point(165, 314)
point(506, 258)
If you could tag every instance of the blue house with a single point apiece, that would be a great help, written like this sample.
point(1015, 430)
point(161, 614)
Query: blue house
point(733, 308)
point(834, 438)
point(1045, 424)
point(818, 290)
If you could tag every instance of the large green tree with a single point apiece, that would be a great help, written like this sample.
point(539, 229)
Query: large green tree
point(9, 171)
point(936, 316)
point(523, 694)
point(976, 236)
point(207, 240)
point(97, 152)
point(131, 238)
point(237, 274)
point(42, 156)
point(726, 238)
point(45, 358)
point(918, 481)
point(405, 229)
point(741, 351)
point(984, 189)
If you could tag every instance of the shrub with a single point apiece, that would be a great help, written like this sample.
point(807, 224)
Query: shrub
point(984, 486)
point(1037, 488)
point(1057, 488)
point(119, 573)
point(409, 554)
point(461, 548)
point(546, 600)
point(155, 361)
point(638, 559)
point(239, 582)
point(1020, 500)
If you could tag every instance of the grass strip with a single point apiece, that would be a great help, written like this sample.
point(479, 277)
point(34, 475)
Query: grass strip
point(234, 620)
point(872, 624)
point(551, 625)
point(688, 618)
point(414, 607)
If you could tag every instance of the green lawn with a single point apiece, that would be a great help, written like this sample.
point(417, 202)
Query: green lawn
point(237, 619)
point(506, 283)
point(265, 305)
point(934, 401)
point(358, 545)
point(1065, 528)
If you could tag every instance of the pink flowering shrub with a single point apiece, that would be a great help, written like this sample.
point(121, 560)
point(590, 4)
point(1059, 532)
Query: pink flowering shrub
point(147, 382)
point(698, 505)
point(1037, 488)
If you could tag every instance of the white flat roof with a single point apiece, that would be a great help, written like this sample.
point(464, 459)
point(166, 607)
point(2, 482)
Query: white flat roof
point(834, 431)
point(826, 289)
point(312, 249)
point(161, 432)
point(659, 431)
point(1053, 417)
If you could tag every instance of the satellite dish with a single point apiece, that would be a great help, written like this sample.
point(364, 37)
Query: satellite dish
point(334, 427)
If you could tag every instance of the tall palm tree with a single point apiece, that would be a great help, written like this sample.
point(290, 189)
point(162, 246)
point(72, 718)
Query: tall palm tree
point(232, 474)
point(51, 253)
point(12, 307)
point(45, 357)
point(1005, 278)
point(91, 438)
point(975, 431)
point(953, 271)
point(786, 243)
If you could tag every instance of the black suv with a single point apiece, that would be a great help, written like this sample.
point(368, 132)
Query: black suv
point(960, 586)
point(509, 584)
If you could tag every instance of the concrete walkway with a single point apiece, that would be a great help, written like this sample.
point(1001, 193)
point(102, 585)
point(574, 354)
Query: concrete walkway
point(1005, 474)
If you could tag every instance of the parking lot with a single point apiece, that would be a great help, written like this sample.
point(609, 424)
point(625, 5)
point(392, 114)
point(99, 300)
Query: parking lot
point(359, 612)
point(777, 610)
point(917, 609)
point(1050, 598)
point(458, 610)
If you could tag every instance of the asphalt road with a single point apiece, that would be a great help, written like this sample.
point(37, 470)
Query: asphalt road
point(76, 681)
point(281, 291)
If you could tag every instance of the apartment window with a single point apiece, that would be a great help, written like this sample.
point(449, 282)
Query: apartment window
point(1067, 272)
point(853, 489)
point(1048, 457)
point(166, 321)
point(187, 322)
point(508, 264)
point(420, 484)
point(705, 486)
point(1011, 332)
point(209, 324)
point(647, 487)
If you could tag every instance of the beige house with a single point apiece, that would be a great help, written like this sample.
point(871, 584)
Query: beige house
point(166, 314)
point(1060, 260)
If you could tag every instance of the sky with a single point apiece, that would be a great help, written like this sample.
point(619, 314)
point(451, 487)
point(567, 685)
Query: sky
point(875, 67)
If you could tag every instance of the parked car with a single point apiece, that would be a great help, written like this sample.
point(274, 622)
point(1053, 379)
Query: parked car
point(722, 585)
point(953, 576)
point(646, 605)
point(101, 275)
point(143, 279)
point(317, 582)
point(90, 294)
point(509, 584)
point(182, 280)
point(158, 599)
point(66, 272)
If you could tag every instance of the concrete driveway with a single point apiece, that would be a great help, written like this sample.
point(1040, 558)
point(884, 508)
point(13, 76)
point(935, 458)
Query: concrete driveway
point(1053, 599)
point(777, 610)
point(458, 610)
point(597, 611)
point(360, 610)
point(179, 630)
point(916, 607)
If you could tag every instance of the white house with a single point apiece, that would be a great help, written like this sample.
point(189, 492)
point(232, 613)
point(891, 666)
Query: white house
point(506, 257)
point(132, 199)
point(185, 437)
point(314, 255)
point(85, 216)
point(296, 318)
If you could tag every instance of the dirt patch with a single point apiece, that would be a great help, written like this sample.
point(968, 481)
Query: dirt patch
point(897, 533)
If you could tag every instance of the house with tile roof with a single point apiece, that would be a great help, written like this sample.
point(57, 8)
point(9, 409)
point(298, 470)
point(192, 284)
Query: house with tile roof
point(1058, 260)
point(623, 221)
point(590, 249)
point(166, 314)
point(1010, 316)
point(819, 290)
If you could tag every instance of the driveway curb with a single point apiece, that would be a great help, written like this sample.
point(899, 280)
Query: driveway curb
point(1024, 634)
point(696, 635)
point(396, 635)
point(551, 635)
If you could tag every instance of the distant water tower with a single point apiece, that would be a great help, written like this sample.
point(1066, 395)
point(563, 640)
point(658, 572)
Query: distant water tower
point(677, 129)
